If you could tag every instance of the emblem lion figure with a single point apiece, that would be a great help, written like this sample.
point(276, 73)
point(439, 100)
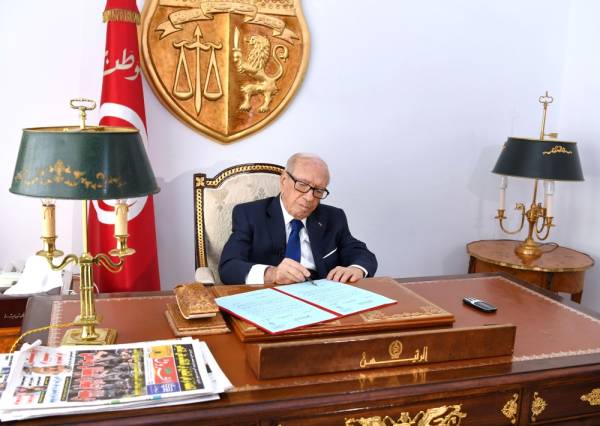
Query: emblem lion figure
point(254, 66)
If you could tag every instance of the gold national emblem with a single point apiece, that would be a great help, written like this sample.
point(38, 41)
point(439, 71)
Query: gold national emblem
point(225, 68)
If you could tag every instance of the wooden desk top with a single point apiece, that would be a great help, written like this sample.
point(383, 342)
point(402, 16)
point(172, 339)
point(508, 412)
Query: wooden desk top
point(502, 253)
point(545, 347)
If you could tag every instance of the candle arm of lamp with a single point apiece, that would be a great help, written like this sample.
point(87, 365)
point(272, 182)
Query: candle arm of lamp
point(108, 263)
point(70, 258)
point(501, 217)
point(546, 224)
point(121, 235)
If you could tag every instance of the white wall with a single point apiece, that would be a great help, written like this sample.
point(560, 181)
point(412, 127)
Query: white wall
point(409, 102)
point(580, 121)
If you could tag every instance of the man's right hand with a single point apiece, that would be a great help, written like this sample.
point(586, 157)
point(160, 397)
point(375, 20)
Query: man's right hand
point(287, 272)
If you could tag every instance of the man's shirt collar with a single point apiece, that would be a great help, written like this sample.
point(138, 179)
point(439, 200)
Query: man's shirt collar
point(287, 218)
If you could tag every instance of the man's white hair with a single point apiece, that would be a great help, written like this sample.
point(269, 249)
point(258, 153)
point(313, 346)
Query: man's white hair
point(305, 156)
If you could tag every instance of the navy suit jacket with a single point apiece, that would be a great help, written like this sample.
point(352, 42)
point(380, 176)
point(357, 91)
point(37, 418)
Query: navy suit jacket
point(259, 237)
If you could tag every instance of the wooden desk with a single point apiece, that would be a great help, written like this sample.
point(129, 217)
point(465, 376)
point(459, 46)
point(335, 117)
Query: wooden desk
point(560, 270)
point(552, 369)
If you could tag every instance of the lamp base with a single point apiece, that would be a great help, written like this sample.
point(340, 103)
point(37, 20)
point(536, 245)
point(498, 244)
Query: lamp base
point(528, 250)
point(105, 336)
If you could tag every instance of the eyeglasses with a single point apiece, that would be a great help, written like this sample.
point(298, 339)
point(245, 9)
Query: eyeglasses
point(304, 187)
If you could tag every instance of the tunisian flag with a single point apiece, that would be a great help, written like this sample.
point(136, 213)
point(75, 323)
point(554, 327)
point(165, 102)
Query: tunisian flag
point(122, 104)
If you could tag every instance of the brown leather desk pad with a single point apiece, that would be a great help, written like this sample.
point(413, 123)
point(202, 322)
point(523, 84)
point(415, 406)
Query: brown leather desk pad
point(546, 329)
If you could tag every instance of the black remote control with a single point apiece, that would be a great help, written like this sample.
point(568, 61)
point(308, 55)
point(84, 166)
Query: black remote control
point(479, 304)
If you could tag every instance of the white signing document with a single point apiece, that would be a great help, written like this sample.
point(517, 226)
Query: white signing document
point(272, 310)
point(342, 299)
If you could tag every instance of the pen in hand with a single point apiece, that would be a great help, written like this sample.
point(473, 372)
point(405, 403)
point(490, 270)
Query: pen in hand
point(309, 281)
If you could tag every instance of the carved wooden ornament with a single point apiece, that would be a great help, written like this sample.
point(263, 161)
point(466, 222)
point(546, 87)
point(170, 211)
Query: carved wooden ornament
point(226, 68)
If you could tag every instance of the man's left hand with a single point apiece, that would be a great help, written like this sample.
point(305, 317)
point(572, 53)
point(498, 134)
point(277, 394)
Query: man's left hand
point(345, 274)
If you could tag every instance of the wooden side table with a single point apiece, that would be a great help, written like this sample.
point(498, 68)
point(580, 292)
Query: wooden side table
point(560, 270)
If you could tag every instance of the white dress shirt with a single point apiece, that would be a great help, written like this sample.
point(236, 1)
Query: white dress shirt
point(256, 275)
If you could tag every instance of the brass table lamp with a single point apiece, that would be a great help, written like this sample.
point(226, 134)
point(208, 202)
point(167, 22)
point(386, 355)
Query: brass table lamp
point(84, 163)
point(549, 160)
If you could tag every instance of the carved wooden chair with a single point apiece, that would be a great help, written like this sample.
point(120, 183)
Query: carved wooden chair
point(215, 198)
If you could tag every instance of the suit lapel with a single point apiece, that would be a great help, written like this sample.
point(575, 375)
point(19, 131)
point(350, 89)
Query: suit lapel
point(276, 227)
point(315, 226)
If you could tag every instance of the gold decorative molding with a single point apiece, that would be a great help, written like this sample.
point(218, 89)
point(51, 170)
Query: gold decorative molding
point(121, 15)
point(59, 173)
point(425, 310)
point(245, 168)
point(199, 198)
point(379, 315)
point(440, 416)
point(558, 149)
point(511, 409)
point(538, 405)
point(593, 398)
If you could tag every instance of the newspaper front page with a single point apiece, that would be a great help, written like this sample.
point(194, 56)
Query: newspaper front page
point(50, 381)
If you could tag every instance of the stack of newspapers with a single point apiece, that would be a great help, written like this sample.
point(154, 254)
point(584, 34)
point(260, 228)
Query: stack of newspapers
point(41, 381)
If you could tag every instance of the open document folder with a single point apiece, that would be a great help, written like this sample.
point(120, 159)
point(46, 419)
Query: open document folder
point(292, 306)
point(41, 381)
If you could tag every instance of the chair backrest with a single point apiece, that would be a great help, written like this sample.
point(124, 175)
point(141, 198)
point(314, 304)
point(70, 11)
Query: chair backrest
point(215, 198)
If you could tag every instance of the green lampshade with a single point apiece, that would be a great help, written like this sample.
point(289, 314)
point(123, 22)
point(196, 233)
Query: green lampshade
point(540, 159)
point(93, 163)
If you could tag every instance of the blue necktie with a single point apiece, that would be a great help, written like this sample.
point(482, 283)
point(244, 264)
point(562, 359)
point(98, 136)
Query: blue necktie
point(292, 250)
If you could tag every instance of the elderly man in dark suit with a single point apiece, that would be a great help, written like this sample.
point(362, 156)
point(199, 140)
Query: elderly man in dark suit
point(292, 237)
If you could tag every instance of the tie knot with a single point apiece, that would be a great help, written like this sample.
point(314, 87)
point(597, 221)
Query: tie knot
point(296, 225)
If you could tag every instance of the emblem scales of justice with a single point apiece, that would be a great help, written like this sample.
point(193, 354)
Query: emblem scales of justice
point(225, 68)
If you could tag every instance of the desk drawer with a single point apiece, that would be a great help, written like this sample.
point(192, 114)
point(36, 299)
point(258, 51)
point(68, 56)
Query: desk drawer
point(562, 400)
point(498, 407)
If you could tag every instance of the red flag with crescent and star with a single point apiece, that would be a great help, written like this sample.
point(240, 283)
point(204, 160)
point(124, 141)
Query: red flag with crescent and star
point(122, 104)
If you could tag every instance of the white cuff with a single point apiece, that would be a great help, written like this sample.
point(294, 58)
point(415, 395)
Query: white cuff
point(204, 275)
point(359, 267)
point(256, 275)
